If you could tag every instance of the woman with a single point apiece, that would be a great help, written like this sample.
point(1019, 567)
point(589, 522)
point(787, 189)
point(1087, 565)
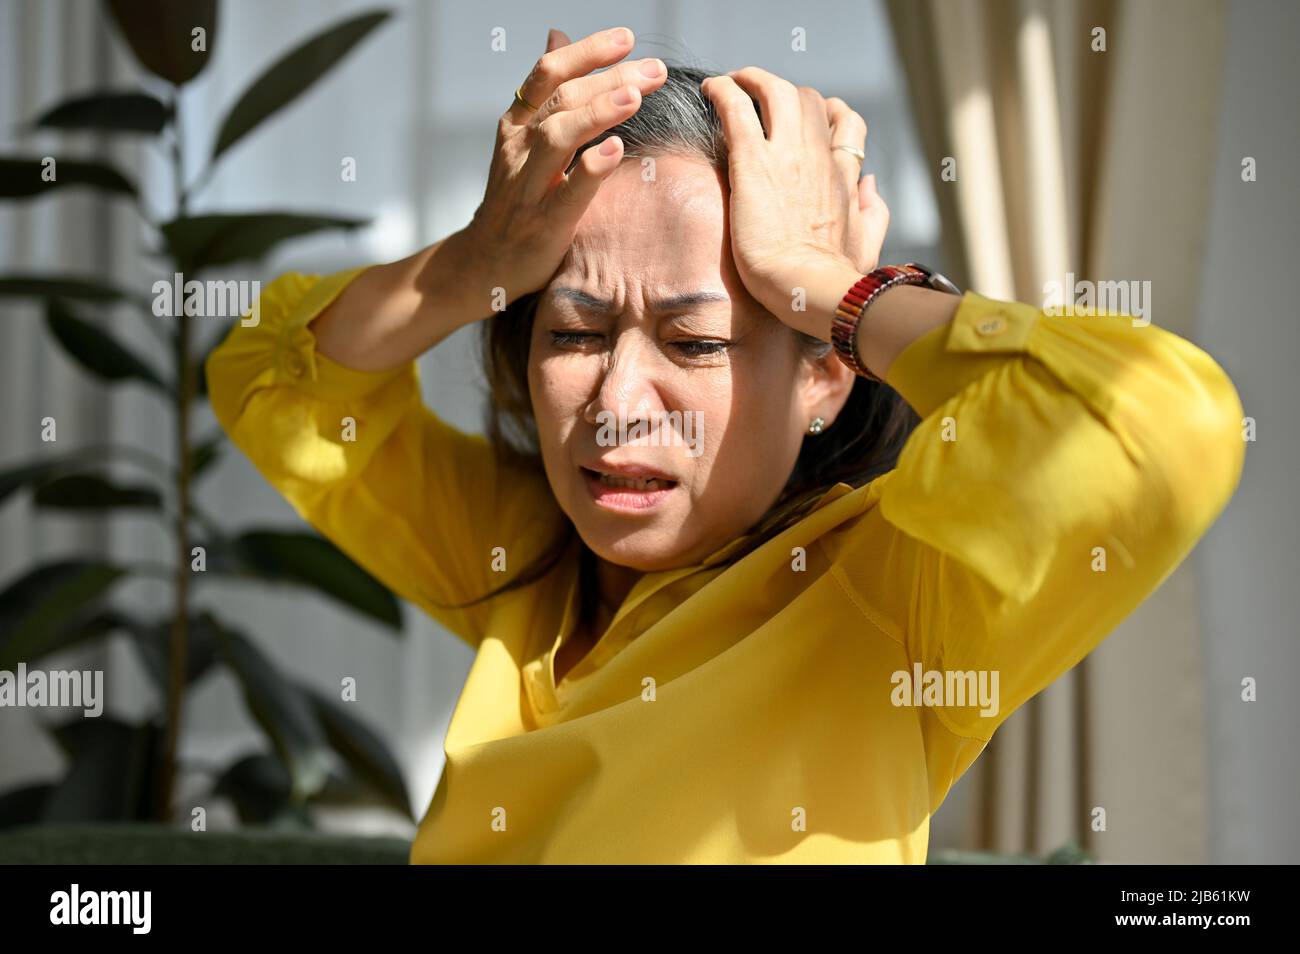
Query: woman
point(782, 640)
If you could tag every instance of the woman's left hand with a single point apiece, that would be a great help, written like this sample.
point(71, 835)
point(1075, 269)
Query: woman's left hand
point(798, 209)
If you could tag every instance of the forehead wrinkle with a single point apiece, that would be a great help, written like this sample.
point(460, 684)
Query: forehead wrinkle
point(671, 302)
point(692, 196)
point(612, 235)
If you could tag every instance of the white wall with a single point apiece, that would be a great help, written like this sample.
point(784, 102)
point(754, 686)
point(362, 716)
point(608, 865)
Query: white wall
point(1250, 600)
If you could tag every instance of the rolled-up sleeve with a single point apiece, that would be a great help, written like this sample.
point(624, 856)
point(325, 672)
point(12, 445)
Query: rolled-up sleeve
point(1063, 467)
point(416, 502)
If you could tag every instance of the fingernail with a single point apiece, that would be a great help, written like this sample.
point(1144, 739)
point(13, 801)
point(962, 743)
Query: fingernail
point(652, 67)
point(623, 97)
point(621, 36)
point(871, 183)
point(607, 148)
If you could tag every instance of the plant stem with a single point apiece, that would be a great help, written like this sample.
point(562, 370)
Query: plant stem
point(185, 393)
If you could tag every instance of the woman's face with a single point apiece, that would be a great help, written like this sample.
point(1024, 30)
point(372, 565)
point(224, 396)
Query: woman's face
point(647, 324)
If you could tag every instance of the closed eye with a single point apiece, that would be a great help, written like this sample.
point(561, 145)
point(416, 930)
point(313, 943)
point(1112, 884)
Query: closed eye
point(692, 349)
point(571, 337)
point(698, 349)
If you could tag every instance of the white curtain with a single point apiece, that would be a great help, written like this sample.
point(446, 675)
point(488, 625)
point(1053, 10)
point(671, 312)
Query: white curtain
point(1082, 138)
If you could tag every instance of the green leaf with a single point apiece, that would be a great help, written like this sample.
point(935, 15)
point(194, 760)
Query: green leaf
point(261, 790)
point(24, 806)
point(83, 628)
point(77, 735)
point(37, 608)
point(153, 643)
point(38, 472)
point(202, 456)
point(62, 286)
point(111, 775)
point(96, 350)
point(80, 627)
point(159, 33)
point(20, 178)
point(202, 241)
point(276, 556)
point(111, 112)
point(281, 709)
point(362, 750)
point(27, 475)
point(93, 492)
point(291, 76)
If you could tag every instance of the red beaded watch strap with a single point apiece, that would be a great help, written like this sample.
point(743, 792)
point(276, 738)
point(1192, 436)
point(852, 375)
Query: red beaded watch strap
point(855, 303)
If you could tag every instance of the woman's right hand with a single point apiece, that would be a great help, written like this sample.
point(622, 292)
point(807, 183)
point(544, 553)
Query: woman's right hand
point(524, 226)
point(392, 313)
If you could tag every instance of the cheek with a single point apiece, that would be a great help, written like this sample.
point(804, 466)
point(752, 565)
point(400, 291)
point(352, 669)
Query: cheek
point(748, 422)
point(765, 384)
point(556, 386)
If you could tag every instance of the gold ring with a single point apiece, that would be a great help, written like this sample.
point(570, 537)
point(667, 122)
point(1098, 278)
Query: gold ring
point(855, 151)
point(519, 98)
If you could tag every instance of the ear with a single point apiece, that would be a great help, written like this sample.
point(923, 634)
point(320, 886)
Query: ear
point(826, 387)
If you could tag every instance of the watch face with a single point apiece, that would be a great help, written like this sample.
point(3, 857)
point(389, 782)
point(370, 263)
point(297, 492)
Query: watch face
point(942, 284)
point(936, 280)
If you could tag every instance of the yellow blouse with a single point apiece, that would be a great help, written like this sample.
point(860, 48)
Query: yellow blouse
point(759, 713)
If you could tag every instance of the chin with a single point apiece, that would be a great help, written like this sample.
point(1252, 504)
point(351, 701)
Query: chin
point(643, 550)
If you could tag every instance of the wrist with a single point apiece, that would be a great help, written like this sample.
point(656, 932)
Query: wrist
point(898, 316)
point(862, 305)
point(823, 285)
point(456, 278)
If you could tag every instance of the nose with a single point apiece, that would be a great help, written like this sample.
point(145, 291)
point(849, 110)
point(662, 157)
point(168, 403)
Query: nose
point(629, 389)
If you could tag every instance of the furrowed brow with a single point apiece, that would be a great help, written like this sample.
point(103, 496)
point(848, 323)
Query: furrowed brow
point(671, 303)
point(582, 299)
point(689, 299)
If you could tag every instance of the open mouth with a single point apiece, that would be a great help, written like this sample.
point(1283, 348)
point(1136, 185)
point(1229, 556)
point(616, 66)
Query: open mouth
point(626, 493)
point(630, 483)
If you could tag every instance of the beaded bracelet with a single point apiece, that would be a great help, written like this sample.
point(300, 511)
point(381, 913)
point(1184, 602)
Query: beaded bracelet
point(855, 303)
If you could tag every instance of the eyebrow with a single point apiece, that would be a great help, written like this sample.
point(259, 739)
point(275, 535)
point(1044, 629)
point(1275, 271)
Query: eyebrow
point(671, 303)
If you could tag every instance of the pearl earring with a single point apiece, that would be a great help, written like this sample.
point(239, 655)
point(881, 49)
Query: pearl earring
point(817, 426)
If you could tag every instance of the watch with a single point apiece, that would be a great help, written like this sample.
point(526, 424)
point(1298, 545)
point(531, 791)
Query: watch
point(865, 290)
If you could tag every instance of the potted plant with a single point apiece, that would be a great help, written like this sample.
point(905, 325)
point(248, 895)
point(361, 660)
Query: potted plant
point(316, 751)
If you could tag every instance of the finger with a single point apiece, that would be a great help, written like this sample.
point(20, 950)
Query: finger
point(777, 97)
point(564, 63)
point(839, 114)
point(556, 39)
point(866, 190)
point(735, 109)
point(558, 137)
point(647, 75)
point(875, 220)
point(812, 108)
point(875, 209)
point(847, 128)
point(572, 196)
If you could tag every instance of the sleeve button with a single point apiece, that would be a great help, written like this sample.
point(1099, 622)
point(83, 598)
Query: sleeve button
point(994, 325)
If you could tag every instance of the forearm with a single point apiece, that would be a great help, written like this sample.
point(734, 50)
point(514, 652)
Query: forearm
point(894, 320)
point(392, 313)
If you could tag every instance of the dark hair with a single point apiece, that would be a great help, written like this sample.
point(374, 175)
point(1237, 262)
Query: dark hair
point(864, 443)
